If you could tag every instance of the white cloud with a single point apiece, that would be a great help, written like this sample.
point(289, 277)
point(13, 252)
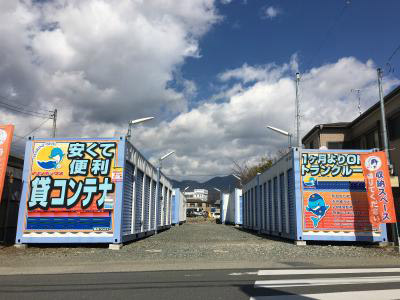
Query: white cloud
point(270, 12)
point(100, 62)
point(209, 137)
point(225, 1)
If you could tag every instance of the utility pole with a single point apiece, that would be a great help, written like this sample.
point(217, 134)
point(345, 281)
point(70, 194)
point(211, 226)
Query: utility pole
point(358, 92)
point(383, 118)
point(395, 229)
point(297, 113)
point(54, 116)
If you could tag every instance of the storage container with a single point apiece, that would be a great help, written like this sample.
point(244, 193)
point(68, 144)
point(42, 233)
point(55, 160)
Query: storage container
point(90, 191)
point(310, 195)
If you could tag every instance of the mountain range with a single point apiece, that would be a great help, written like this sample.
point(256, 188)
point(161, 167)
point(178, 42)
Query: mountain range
point(224, 183)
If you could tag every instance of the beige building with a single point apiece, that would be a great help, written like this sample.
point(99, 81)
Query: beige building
point(362, 133)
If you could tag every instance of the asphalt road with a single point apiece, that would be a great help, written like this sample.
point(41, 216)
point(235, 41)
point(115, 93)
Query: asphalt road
point(382, 283)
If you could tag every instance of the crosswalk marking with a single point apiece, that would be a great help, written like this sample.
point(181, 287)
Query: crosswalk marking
point(324, 281)
point(341, 283)
point(365, 295)
point(326, 271)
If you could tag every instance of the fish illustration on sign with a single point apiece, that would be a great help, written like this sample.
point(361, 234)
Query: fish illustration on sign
point(53, 160)
point(316, 205)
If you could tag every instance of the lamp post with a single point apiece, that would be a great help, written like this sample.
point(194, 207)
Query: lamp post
point(135, 122)
point(289, 135)
point(238, 178)
point(158, 198)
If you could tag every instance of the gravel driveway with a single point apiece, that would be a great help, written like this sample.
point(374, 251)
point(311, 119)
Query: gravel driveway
point(189, 246)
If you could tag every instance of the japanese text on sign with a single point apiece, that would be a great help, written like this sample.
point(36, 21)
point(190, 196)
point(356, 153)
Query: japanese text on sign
point(330, 164)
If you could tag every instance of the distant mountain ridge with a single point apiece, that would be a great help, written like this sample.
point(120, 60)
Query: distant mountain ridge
point(223, 183)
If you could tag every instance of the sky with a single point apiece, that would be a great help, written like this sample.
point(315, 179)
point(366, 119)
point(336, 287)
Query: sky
point(213, 73)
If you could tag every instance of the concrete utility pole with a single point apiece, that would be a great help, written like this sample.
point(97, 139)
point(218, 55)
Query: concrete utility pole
point(298, 110)
point(54, 116)
point(395, 229)
point(383, 118)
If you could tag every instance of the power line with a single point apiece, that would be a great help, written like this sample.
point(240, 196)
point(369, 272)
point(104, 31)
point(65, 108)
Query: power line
point(393, 54)
point(41, 124)
point(21, 109)
point(329, 31)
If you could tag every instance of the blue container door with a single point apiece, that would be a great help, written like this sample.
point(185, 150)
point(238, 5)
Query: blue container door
point(165, 205)
point(270, 205)
point(283, 201)
point(160, 204)
point(146, 217)
point(138, 201)
point(128, 199)
point(292, 205)
point(276, 207)
point(153, 204)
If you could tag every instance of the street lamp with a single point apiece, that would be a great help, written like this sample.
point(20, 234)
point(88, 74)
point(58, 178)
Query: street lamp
point(158, 198)
point(186, 188)
point(134, 122)
point(238, 178)
point(289, 135)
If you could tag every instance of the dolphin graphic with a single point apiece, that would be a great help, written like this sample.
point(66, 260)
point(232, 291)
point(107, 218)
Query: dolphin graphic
point(56, 156)
point(316, 205)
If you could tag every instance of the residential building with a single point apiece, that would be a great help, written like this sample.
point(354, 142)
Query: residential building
point(197, 194)
point(362, 133)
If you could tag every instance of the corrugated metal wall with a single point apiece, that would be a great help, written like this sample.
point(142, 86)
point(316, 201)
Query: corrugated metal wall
point(271, 200)
point(139, 201)
point(146, 212)
point(153, 204)
point(128, 199)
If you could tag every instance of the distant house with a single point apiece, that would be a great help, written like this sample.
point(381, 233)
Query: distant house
point(362, 133)
point(197, 194)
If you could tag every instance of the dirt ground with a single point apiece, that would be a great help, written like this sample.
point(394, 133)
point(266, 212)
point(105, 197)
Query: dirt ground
point(199, 245)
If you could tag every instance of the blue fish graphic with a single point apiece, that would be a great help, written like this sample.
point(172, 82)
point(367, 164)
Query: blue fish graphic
point(316, 205)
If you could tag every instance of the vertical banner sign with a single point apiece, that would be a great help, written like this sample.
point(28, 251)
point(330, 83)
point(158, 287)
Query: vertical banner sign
point(334, 194)
point(72, 186)
point(379, 190)
point(6, 134)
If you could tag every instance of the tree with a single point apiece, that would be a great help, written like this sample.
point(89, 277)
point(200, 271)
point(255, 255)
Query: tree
point(246, 172)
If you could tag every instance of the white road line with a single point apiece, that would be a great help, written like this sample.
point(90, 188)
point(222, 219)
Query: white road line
point(324, 281)
point(365, 295)
point(326, 271)
point(245, 273)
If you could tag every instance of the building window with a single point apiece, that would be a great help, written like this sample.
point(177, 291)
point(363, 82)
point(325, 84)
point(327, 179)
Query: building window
point(335, 145)
point(371, 140)
point(394, 128)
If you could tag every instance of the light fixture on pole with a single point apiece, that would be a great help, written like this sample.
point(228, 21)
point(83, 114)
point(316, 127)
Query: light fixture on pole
point(135, 122)
point(158, 198)
point(186, 188)
point(238, 178)
point(289, 135)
